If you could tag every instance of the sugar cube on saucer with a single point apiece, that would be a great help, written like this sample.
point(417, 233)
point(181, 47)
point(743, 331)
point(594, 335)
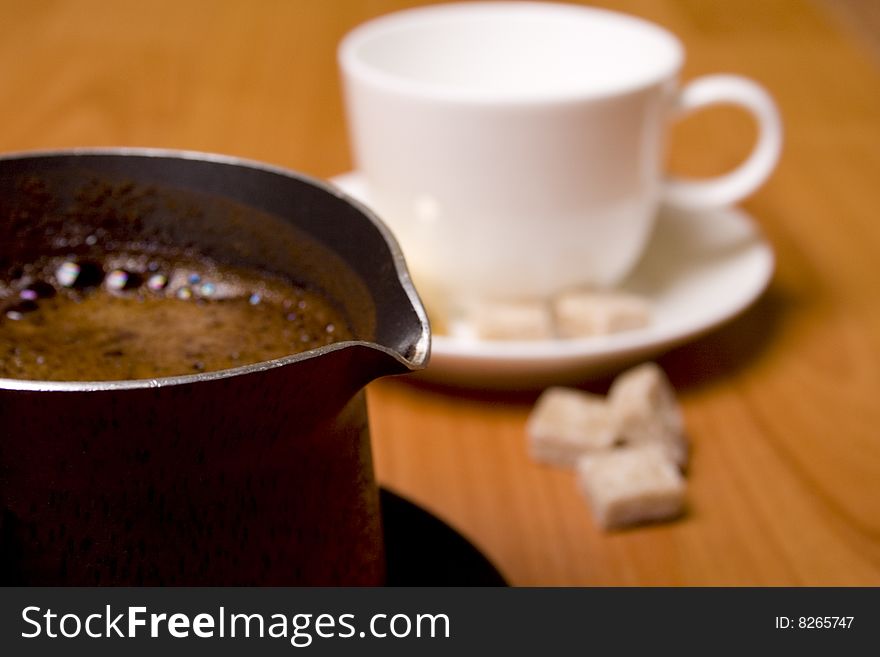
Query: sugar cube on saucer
point(631, 485)
point(581, 313)
point(645, 411)
point(567, 423)
point(513, 320)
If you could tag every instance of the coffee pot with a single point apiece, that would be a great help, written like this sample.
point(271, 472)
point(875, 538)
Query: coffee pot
point(257, 475)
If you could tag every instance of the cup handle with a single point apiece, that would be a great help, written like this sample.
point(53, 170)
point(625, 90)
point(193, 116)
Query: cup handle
point(745, 179)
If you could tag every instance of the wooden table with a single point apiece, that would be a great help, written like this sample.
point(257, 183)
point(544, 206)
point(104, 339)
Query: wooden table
point(783, 405)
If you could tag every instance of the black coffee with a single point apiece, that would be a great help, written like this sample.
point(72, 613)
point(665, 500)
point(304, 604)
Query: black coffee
point(138, 316)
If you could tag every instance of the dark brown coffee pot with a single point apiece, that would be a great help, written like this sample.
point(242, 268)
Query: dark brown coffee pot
point(258, 475)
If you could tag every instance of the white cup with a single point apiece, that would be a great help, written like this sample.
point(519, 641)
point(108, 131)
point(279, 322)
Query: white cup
point(515, 148)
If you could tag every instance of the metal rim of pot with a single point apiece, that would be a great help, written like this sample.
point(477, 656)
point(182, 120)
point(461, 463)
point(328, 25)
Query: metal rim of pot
point(419, 353)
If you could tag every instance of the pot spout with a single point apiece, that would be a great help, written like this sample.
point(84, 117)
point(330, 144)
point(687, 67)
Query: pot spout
point(401, 334)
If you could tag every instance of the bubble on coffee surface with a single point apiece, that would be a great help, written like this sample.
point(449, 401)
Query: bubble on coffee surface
point(120, 279)
point(79, 275)
point(37, 290)
point(157, 282)
point(67, 274)
point(17, 311)
point(152, 316)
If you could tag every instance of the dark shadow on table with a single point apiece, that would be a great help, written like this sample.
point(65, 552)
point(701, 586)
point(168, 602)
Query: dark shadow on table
point(422, 550)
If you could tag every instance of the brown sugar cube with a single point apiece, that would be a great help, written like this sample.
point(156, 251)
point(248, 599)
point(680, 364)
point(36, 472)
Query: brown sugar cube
point(631, 485)
point(567, 423)
point(645, 411)
point(513, 320)
point(588, 313)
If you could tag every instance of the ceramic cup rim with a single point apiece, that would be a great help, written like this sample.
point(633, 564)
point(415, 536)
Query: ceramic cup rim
point(353, 64)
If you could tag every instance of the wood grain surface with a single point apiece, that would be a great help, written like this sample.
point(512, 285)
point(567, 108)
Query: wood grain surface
point(782, 405)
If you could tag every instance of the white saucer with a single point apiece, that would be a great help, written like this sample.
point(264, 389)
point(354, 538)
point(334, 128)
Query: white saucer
point(700, 270)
